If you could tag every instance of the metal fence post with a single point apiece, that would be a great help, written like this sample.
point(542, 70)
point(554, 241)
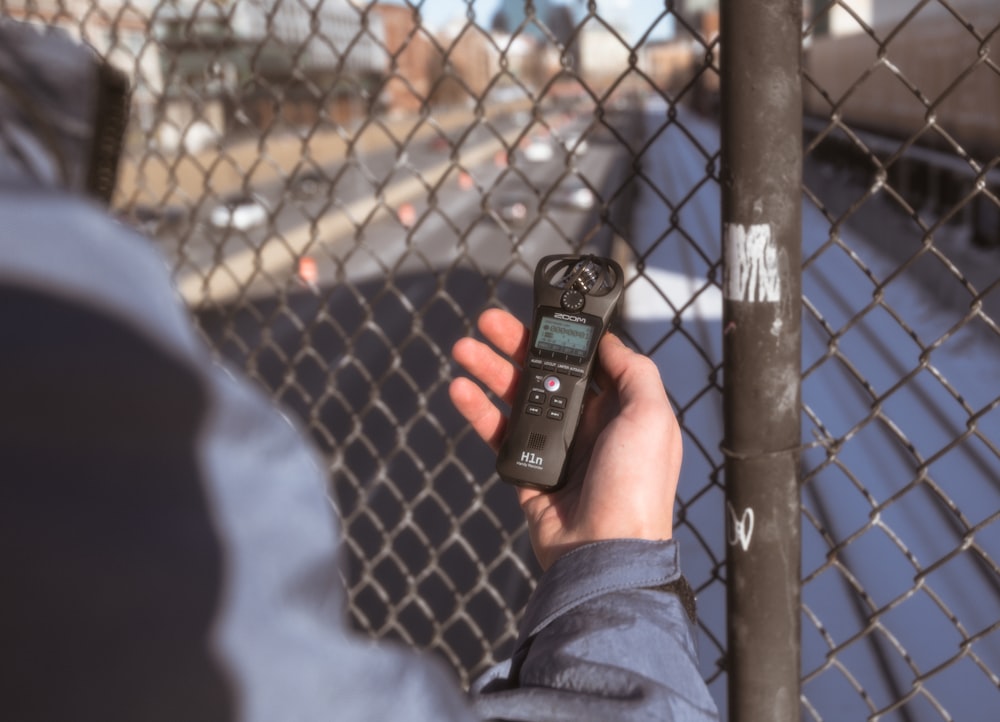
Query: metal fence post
point(762, 214)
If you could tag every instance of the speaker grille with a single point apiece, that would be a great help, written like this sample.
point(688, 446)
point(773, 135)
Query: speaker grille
point(536, 442)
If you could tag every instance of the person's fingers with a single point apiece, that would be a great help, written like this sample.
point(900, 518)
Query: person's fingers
point(481, 413)
point(491, 369)
point(505, 332)
point(486, 365)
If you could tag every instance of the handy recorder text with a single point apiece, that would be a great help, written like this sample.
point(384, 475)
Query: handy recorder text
point(576, 298)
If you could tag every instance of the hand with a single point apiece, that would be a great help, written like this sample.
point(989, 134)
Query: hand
point(623, 472)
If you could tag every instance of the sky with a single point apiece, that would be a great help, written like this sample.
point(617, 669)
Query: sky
point(634, 15)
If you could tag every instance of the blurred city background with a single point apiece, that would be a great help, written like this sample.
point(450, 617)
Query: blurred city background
point(340, 187)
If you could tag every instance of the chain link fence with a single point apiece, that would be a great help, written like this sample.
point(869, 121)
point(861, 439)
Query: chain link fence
point(901, 474)
point(340, 188)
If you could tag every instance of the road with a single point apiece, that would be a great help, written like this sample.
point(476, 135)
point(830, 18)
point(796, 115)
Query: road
point(362, 215)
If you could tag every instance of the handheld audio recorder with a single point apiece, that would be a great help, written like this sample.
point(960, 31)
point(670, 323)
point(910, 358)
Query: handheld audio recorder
point(576, 298)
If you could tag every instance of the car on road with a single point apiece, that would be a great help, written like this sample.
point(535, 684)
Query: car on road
point(309, 184)
point(519, 206)
point(240, 211)
point(538, 150)
point(572, 192)
point(153, 219)
point(439, 144)
point(515, 208)
point(574, 143)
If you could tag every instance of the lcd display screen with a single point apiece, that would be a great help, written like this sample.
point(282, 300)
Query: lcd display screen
point(563, 336)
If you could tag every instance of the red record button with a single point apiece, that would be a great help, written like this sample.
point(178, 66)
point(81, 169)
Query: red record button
point(551, 384)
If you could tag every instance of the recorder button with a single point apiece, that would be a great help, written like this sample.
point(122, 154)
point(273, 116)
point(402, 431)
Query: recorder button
point(536, 397)
point(558, 402)
point(555, 414)
point(535, 363)
point(552, 384)
point(533, 410)
point(575, 371)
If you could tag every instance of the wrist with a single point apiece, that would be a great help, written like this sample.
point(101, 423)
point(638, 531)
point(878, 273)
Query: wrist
point(599, 568)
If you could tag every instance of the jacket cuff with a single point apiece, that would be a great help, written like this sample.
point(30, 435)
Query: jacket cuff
point(595, 569)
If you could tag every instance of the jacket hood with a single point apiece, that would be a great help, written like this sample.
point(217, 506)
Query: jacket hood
point(63, 112)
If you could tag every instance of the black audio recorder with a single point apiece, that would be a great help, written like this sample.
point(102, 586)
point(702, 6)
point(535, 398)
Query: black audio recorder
point(576, 299)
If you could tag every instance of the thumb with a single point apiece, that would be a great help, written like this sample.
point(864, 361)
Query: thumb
point(634, 376)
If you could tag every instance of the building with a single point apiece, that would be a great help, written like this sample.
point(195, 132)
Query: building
point(604, 58)
point(669, 64)
point(836, 20)
point(511, 17)
point(924, 79)
point(409, 59)
point(259, 62)
point(469, 64)
point(322, 39)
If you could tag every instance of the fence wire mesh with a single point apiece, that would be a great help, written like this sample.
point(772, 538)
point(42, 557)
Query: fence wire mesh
point(902, 107)
point(341, 187)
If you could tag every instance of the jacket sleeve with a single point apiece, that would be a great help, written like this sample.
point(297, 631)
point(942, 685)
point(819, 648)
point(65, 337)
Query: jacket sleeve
point(602, 640)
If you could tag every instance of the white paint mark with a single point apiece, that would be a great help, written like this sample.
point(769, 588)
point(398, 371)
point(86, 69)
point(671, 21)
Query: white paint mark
point(741, 529)
point(751, 264)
